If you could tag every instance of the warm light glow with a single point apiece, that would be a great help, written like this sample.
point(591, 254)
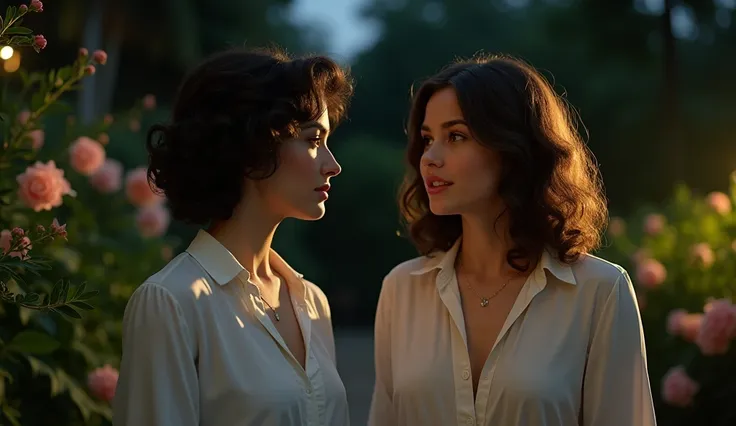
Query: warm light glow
point(12, 64)
point(6, 52)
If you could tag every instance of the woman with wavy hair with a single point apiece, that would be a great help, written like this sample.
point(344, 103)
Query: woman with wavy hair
point(227, 333)
point(506, 318)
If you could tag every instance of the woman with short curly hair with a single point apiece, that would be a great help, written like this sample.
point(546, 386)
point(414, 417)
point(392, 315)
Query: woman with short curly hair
point(506, 318)
point(227, 333)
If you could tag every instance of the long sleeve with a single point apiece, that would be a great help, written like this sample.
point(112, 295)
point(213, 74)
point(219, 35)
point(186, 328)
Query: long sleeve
point(616, 387)
point(158, 383)
point(381, 411)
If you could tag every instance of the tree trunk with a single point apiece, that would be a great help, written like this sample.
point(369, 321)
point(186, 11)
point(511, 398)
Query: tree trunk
point(92, 40)
point(673, 141)
point(108, 78)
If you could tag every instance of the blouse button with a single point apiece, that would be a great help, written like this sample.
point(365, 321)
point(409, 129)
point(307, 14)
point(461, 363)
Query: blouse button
point(466, 374)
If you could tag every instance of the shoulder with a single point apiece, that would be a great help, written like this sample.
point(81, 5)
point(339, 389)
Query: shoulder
point(595, 273)
point(412, 268)
point(181, 283)
point(317, 298)
point(606, 289)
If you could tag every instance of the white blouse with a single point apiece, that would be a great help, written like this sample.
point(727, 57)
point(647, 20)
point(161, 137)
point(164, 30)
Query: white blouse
point(200, 350)
point(571, 351)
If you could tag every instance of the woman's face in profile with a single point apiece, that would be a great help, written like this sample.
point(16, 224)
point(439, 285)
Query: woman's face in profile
point(299, 187)
point(460, 175)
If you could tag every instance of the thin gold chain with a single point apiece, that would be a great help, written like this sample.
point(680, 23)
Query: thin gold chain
point(260, 296)
point(484, 301)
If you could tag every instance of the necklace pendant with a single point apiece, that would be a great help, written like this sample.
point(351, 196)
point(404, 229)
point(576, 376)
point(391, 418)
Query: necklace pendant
point(276, 315)
point(484, 302)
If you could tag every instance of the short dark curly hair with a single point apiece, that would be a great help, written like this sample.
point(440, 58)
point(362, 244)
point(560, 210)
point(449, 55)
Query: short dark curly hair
point(549, 182)
point(229, 118)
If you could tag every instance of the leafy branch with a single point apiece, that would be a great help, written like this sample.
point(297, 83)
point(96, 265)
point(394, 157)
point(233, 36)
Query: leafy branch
point(50, 87)
point(13, 35)
point(63, 299)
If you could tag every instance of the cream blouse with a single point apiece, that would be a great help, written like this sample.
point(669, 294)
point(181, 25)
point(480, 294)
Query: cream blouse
point(571, 351)
point(200, 350)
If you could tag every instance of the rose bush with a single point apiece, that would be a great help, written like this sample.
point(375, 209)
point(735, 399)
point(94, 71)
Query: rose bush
point(79, 230)
point(683, 255)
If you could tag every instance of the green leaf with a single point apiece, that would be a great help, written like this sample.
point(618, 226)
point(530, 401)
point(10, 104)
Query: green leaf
point(83, 305)
point(33, 342)
point(67, 311)
point(79, 291)
point(64, 292)
point(64, 73)
point(18, 30)
point(32, 298)
point(21, 40)
point(9, 14)
point(11, 413)
point(88, 295)
point(56, 292)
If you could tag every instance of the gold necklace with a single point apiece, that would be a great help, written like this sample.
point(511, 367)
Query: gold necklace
point(275, 314)
point(484, 301)
point(260, 296)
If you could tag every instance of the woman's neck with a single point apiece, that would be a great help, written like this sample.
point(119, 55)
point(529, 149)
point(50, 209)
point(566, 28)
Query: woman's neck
point(248, 235)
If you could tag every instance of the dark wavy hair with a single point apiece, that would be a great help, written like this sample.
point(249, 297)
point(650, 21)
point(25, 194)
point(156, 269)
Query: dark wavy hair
point(549, 182)
point(231, 114)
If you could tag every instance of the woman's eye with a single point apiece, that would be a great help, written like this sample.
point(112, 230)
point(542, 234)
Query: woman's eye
point(316, 142)
point(457, 137)
point(427, 140)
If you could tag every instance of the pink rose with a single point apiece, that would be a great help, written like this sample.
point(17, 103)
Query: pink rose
point(37, 138)
point(40, 41)
point(149, 102)
point(100, 56)
point(617, 227)
point(36, 6)
point(690, 325)
point(23, 116)
point(719, 202)
point(102, 382)
point(152, 221)
point(86, 155)
point(684, 325)
point(650, 273)
point(678, 388)
point(90, 70)
point(718, 328)
point(138, 190)
point(674, 321)
point(108, 178)
point(702, 254)
point(42, 186)
point(6, 239)
point(83, 52)
point(654, 224)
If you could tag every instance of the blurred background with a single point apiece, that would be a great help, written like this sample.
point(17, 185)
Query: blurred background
point(653, 81)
